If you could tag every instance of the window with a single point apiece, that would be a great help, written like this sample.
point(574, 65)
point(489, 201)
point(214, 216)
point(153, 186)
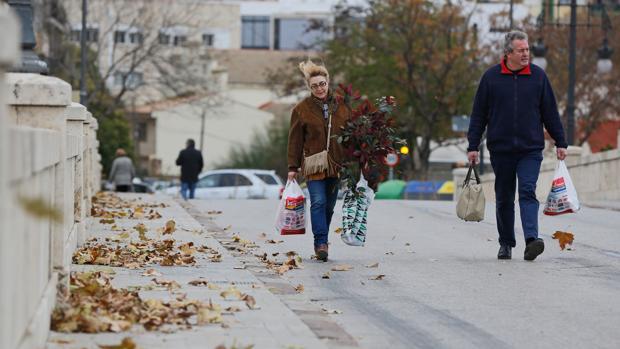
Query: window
point(131, 80)
point(208, 39)
point(295, 34)
point(267, 178)
point(141, 131)
point(164, 39)
point(234, 180)
point(255, 32)
point(119, 36)
point(136, 38)
point(179, 40)
point(92, 35)
point(210, 181)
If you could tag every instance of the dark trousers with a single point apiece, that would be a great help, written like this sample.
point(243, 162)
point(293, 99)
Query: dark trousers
point(124, 188)
point(509, 169)
point(323, 196)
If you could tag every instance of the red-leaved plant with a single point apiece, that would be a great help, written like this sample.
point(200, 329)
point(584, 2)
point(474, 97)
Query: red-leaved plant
point(367, 137)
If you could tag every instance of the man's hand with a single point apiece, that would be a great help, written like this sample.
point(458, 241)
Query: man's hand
point(472, 156)
point(292, 175)
point(561, 153)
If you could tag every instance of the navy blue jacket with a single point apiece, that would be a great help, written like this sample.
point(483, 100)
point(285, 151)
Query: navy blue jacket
point(514, 108)
point(191, 164)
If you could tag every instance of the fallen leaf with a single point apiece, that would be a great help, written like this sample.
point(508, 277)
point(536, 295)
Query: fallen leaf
point(213, 287)
point(564, 238)
point(274, 241)
point(327, 275)
point(299, 288)
point(262, 236)
point(342, 267)
point(331, 311)
point(338, 231)
point(106, 221)
point(214, 212)
point(249, 301)
point(169, 284)
point(151, 272)
point(199, 282)
point(126, 343)
point(231, 293)
point(407, 244)
point(378, 277)
point(170, 227)
point(389, 253)
point(374, 265)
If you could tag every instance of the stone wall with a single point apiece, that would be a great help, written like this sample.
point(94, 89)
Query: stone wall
point(49, 170)
point(595, 176)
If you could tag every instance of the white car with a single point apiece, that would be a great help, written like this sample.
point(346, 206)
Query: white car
point(235, 184)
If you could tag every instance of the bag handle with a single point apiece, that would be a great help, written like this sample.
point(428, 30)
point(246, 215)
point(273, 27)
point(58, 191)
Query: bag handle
point(329, 131)
point(468, 177)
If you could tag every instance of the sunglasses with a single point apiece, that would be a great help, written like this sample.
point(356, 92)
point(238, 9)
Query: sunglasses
point(320, 84)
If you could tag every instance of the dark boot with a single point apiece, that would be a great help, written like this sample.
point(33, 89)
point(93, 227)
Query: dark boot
point(505, 252)
point(533, 249)
point(321, 252)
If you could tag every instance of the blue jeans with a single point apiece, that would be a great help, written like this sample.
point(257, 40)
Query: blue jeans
point(188, 187)
point(510, 168)
point(323, 196)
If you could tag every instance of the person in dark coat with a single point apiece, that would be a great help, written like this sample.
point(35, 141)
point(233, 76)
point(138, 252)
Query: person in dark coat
point(513, 103)
point(191, 164)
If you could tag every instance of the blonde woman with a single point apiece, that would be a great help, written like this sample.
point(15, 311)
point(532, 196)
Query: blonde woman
point(313, 149)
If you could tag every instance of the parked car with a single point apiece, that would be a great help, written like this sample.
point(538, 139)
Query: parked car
point(235, 184)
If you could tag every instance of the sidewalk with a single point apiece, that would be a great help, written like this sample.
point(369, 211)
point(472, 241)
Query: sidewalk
point(270, 325)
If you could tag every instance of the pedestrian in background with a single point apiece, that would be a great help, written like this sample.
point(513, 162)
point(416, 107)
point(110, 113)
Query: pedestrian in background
point(513, 102)
point(313, 148)
point(191, 164)
point(122, 172)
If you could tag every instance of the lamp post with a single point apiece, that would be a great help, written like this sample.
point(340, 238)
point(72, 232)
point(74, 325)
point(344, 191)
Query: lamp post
point(604, 64)
point(30, 62)
point(83, 48)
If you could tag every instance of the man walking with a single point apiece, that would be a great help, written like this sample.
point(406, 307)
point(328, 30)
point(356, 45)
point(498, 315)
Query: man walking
point(513, 102)
point(191, 164)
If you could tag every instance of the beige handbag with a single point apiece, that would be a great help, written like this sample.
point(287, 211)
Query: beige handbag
point(470, 206)
point(318, 162)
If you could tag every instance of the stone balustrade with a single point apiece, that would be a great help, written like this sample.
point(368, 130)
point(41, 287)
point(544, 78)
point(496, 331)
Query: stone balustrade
point(49, 170)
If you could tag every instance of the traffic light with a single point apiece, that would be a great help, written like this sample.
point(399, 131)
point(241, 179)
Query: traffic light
point(404, 150)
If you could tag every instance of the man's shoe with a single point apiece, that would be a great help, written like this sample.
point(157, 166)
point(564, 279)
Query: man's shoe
point(321, 252)
point(533, 249)
point(505, 252)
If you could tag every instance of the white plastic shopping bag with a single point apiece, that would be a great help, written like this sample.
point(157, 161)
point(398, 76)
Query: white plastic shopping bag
point(563, 197)
point(291, 215)
point(355, 213)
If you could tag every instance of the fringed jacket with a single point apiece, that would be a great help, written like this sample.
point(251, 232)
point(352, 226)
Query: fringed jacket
point(308, 133)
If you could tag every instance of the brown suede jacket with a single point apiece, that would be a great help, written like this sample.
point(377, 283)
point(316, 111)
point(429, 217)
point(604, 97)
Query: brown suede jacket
point(308, 134)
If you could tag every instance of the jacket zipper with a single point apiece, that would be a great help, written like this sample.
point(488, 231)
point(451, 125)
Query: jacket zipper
point(514, 118)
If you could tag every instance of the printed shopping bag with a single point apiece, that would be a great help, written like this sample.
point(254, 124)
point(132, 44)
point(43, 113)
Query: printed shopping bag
point(563, 197)
point(291, 215)
point(470, 206)
point(355, 213)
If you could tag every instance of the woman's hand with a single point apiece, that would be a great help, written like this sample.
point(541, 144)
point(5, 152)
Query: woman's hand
point(292, 175)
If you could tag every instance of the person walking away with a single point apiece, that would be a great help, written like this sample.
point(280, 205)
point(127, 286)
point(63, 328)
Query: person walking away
point(513, 102)
point(122, 172)
point(191, 164)
point(314, 150)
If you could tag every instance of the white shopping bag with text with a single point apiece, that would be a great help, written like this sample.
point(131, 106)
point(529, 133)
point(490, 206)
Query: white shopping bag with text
point(563, 197)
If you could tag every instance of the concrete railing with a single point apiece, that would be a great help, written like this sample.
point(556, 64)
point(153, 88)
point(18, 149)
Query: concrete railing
point(595, 176)
point(49, 170)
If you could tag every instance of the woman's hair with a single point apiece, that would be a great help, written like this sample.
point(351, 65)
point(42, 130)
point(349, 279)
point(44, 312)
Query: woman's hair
point(311, 69)
point(120, 152)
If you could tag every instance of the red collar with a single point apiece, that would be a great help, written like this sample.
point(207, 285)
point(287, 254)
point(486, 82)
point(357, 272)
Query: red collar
point(524, 71)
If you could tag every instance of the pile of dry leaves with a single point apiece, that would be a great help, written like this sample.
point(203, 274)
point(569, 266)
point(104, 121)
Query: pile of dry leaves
point(137, 254)
point(108, 206)
point(95, 306)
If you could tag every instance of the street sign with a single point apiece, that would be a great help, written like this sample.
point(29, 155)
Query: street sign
point(391, 159)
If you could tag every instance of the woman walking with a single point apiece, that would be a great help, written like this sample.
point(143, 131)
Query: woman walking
point(313, 149)
point(122, 172)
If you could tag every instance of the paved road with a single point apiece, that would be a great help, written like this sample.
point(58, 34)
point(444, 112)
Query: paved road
point(444, 287)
